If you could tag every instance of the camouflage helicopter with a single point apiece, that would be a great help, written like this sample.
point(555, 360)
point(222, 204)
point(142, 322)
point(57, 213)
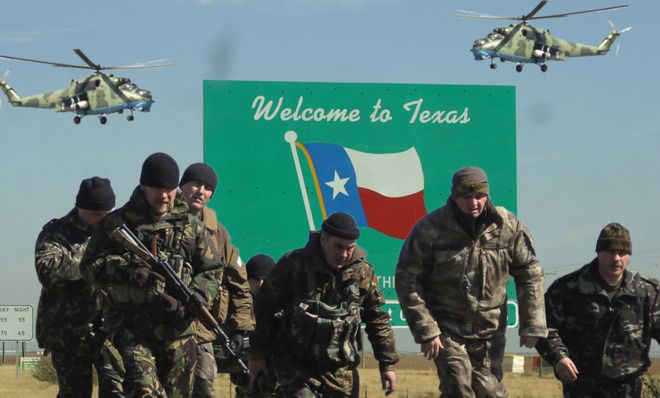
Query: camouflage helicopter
point(99, 94)
point(523, 43)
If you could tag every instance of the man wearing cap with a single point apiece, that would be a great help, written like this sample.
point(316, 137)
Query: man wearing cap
point(69, 312)
point(325, 291)
point(258, 268)
point(602, 318)
point(233, 306)
point(451, 281)
point(151, 329)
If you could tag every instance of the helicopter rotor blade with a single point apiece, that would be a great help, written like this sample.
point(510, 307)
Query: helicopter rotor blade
point(88, 61)
point(475, 15)
point(59, 64)
point(536, 9)
point(566, 14)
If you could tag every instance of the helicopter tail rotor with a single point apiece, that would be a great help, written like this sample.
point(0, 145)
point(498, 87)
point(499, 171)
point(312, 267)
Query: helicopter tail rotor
point(617, 32)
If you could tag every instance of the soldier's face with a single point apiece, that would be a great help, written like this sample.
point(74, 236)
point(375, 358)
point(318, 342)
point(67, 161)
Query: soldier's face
point(92, 217)
point(197, 195)
point(161, 200)
point(337, 251)
point(472, 203)
point(255, 284)
point(612, 263)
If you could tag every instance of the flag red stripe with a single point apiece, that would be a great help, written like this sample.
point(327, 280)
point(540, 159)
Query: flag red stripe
point(392, 216)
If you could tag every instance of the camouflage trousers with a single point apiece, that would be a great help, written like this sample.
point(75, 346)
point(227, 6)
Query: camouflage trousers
point(157, 369)
point(623, 389)
point(464, 369)
point(205, 371)
point(74, 373)
point(297, 383)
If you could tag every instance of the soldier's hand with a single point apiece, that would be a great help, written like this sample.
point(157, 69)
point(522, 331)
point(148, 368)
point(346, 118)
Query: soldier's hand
point(566, 370)
point(388, 381)
point(431, 348)
point(256, 367)
point(171, 306)
point(146, 278)
point(528, 341)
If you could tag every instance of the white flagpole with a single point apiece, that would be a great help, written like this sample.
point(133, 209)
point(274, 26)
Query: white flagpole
point(291, 137)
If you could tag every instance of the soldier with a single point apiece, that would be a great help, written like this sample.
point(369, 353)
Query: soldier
point(258, 268)
point(233, 306)
point(602, 318)
point(325, 291)
point(69, 312)
point(150, 328)
point(451, 281)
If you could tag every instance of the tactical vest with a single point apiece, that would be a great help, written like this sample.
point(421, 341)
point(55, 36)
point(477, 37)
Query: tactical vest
point(326, 335)
point(165, 243)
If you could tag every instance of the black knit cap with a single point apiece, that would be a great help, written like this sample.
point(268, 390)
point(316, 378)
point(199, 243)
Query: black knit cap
point(160, 170)
point(469, 179)
point(614, 237)
point(95, 194)
point(259, 266)
point(341, 225)
point(201, 172)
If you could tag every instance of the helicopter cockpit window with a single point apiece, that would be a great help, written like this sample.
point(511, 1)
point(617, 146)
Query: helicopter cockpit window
point(495, 36)
point(128, 87)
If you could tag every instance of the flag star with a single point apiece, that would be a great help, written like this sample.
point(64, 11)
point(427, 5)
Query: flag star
point(338, 185)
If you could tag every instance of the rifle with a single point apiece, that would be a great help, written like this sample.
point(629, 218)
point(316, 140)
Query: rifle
point(176, 287)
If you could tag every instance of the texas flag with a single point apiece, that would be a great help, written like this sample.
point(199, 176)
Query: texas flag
point(383, 191)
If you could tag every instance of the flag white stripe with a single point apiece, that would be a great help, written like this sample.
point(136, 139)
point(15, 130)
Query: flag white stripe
point(390, 174)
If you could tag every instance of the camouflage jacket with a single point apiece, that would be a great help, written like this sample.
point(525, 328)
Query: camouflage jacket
point(233, 306)
point(287, 286)
point(67, 305)
point(606, 339)
point(448, 281)
point(107, 264)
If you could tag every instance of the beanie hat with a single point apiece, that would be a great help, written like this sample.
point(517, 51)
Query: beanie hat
point(469, 179)
point(160, 170)
point(95, 194)
point(614, 237)
point(200, 172)
point(341, 225)
point(259, 266)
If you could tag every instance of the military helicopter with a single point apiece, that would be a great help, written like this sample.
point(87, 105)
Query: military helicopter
point(99, 94)
point(523, 43)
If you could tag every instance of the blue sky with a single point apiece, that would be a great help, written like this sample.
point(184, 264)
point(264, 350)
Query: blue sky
point(588, 133)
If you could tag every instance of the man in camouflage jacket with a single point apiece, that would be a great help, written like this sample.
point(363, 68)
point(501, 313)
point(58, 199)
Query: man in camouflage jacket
point(151, 329)
point(602, 318)
point(233, 306)
point(69, 312)
point(315, 356)
point(451, 282)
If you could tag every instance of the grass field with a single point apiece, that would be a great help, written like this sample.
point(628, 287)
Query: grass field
point(416, 379)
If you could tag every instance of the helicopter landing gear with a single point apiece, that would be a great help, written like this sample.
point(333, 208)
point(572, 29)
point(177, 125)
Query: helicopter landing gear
point(519, 68)
point(493, 66)
point(544, 67)
point(103, 119)
point(76, 119)
point(130, 118)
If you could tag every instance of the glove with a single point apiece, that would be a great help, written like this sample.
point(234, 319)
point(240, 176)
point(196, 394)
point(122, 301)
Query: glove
point(146, 278)
point(237, 342)
point(171, 306)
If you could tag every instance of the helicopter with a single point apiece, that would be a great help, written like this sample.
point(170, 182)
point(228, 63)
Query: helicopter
point(522, 43)
point(99, 94)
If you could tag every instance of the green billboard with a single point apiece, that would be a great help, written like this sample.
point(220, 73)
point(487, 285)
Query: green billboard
point(290, 153)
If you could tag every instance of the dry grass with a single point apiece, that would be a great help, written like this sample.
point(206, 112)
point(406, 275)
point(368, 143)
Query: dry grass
point(416, 379)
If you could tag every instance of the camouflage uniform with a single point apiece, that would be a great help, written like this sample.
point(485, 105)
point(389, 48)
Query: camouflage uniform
point(158, 346)
point(69, 313)
point(303, 360)
point(608, 340)
point(232, 307)
point(452, 283)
